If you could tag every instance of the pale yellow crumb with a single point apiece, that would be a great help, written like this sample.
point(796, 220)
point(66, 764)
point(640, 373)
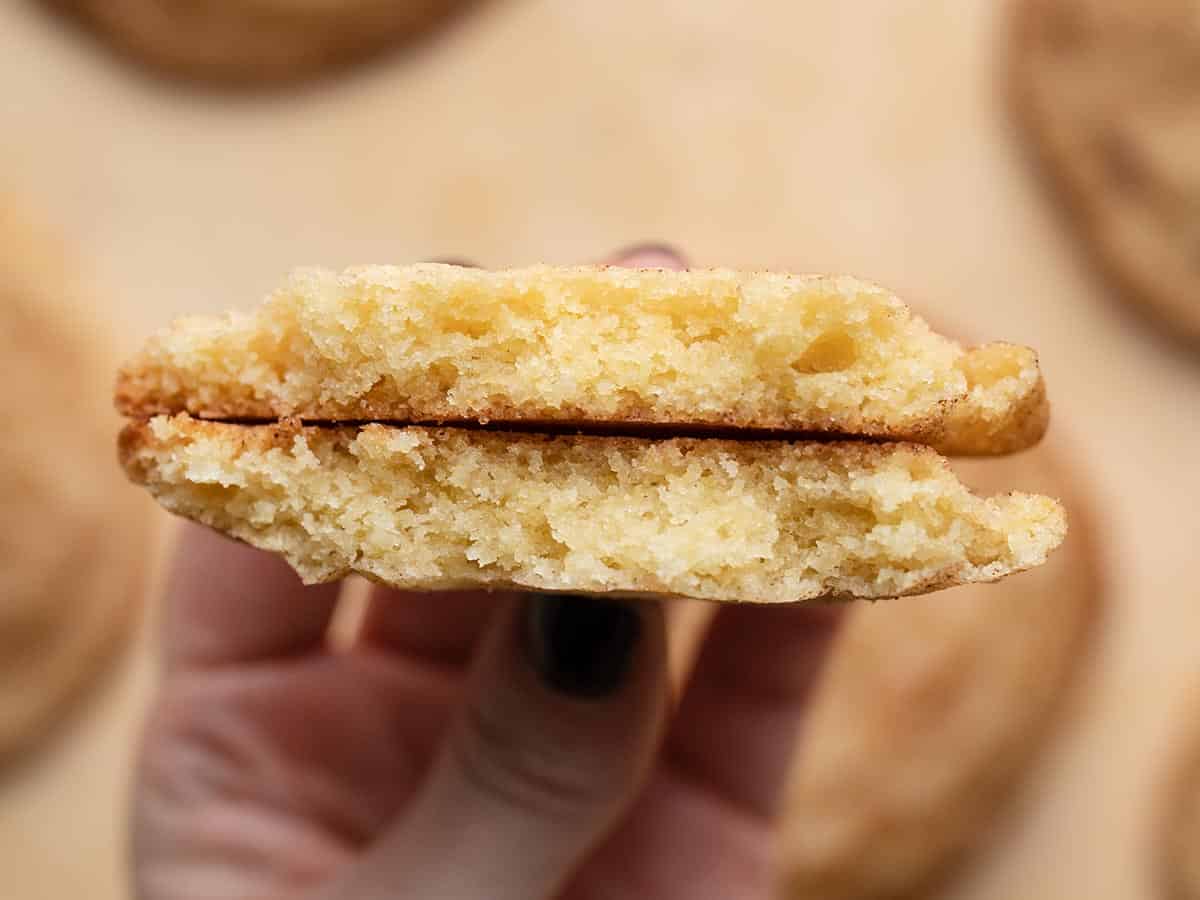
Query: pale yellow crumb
point(436, 508)
point(706, 348)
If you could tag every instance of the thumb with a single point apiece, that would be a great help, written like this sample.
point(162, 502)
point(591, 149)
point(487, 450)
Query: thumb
point(556, 735)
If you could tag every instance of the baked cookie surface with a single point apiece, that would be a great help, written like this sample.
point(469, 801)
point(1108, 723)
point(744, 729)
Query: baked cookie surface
point(931, 709)
point(593, 346)
point(72, 539)
point(1110, 91)
point(255, 40)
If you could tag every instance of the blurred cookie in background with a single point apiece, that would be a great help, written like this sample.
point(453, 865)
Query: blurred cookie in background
point(1110, 92)
point(931, 708)
point(255, 41)
point(1180, 836)
point(73, 537)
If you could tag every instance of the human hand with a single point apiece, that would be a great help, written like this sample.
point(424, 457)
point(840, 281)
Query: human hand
point(465, 745)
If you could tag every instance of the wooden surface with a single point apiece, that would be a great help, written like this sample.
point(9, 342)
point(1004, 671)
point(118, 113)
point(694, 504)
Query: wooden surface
point(866, 137)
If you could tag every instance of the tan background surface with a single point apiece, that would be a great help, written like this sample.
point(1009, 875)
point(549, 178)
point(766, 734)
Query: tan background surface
point(868, 137)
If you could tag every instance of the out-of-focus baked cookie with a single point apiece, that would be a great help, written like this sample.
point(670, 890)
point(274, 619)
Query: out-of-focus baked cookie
point(1180, 836)
point(255, 40)
point(931, 708)
point(1110, 91)
point(72, 539)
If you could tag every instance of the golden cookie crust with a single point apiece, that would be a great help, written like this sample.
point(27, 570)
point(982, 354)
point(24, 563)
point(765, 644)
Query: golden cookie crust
point(255, 41)
point(931, 709)
point(1110, 93)
point(72, 539)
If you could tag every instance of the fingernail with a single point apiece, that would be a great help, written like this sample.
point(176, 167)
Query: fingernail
point(579, 645)
point(455, 261)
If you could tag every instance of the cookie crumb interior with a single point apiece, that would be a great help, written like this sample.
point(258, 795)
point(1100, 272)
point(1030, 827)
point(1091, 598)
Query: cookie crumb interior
point(430, 508)
point(437, 343)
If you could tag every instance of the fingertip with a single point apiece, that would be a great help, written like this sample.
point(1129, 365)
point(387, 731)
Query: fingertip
point(197, 549)
point(455, 261)
point(443, 627)
point(650, 255)
point(227, 602)
point(742, 709)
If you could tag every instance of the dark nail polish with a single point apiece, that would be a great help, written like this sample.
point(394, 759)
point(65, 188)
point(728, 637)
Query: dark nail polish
point(455, 261)
point(580, 645)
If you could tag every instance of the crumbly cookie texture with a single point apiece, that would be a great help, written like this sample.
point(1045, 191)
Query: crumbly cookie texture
point(439, 508)
point(1109, 92)
point(598, 346)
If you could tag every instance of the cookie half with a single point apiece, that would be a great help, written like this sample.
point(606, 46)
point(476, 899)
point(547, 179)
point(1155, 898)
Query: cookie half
point(594, 348)
point(446, 508)
point(1110, 92)
point(932, 709)
point(251, 41)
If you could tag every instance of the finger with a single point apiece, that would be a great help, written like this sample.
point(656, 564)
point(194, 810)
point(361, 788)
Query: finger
point(442, 627)
point(229, 603)
point(743, 707)
point(557, 733)
point(714, 795)
point(650, 256)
